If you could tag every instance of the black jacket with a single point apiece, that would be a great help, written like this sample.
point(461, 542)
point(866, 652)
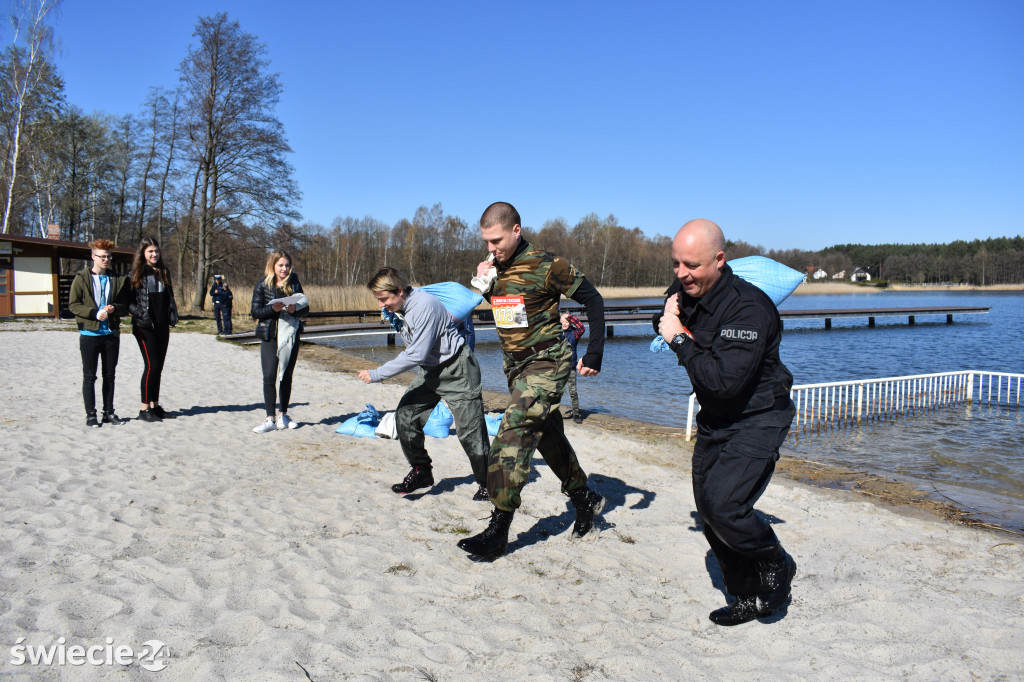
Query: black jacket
point(261, 310)
point(221, 294)
point(733, 361)
point(139, 305)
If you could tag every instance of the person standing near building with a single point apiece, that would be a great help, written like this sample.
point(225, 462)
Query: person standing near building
point(572, 331)
point(278, 327)
point(222, 298)
point(154, 312)
point(524, 294)
point(726, 333)
point(439, 347)
point(98, 300)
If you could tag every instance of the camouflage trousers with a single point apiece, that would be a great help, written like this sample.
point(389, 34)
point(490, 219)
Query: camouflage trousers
point(574, 395)
point(532, 422)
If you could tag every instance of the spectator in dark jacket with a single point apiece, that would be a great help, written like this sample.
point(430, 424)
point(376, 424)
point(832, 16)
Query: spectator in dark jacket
point(154, 312)
point(220, 294)
point(572, 331)
point(278, 327)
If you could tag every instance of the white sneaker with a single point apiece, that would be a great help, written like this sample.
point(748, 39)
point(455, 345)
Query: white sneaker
point(284, 422)
point(268, 425)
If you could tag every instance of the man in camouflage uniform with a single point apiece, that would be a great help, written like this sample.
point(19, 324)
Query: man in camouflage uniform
point(524, 293)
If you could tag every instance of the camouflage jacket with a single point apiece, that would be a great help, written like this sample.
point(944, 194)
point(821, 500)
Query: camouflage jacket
point(526, 295)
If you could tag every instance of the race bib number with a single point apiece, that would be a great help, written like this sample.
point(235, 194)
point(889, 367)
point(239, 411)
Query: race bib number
point(509, 312)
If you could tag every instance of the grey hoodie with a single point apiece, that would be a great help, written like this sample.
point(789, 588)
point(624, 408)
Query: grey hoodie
point(430, 333)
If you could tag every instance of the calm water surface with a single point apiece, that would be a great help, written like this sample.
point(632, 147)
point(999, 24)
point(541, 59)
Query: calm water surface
point(973, 455)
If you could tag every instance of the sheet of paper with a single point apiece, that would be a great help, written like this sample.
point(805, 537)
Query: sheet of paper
point(287, 300)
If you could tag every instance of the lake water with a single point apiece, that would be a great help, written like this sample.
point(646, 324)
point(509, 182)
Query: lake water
point(972, 455)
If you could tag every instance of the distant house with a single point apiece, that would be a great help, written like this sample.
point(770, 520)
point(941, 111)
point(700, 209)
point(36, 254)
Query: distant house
point(840, 275)
point(860, 275)
point(30, 281)
point(819, 274)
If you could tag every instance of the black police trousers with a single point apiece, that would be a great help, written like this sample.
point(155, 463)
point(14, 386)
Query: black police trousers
point(731, 469)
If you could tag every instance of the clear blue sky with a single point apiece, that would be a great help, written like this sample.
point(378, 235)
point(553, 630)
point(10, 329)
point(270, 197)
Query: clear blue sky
point(791, 124)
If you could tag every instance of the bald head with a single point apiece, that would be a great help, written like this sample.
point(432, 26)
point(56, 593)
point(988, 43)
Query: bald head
point(703, 234)
point(698, 254)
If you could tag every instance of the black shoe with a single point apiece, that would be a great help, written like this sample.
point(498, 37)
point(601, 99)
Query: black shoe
point(492, 543)
point(160, 412)
point(776, 578)
point(112, 419)
point(587, 504)
point(577, 418)
point(90, 420)
point(743, 610)
point(418, 477)
point(149, 416)
point(481, 494)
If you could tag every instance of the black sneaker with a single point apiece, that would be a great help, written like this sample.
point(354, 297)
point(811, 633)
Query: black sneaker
point(481, 495)
point(588, 504)
point(90, 420)
point(160, 412)
point(743, 610)
point(149, 416)
point(112, 419)
point(418, 477)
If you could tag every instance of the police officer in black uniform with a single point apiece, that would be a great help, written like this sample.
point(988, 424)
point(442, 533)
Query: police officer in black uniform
point(222, 297)
point(726, 332)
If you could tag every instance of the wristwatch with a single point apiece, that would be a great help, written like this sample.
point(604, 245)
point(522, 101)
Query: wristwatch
point(677, 342)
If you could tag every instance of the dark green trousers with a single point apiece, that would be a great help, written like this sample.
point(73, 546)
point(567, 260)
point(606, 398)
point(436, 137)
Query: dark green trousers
point(458, 382)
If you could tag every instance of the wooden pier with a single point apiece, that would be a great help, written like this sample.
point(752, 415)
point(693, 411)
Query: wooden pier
point(369, 323)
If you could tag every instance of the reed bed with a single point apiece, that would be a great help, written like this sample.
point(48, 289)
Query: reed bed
point(323, 298)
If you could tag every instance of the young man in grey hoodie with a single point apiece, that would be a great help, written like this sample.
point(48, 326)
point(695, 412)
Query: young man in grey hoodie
point(439, 346)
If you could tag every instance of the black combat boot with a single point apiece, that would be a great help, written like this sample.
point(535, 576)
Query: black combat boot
point(418, 477)
point(493, 542)
point(587, 504)
point(776, 576)
point(743, 610)
point(481, 495)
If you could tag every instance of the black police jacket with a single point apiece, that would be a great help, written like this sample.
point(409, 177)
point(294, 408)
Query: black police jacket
point(733, 360)
point(263, 312)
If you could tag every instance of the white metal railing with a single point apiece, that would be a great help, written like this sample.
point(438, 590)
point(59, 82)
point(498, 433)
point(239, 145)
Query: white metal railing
point(843, 403)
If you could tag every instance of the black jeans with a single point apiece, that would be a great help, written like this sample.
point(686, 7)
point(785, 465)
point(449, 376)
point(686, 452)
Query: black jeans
point(93, 348)
point(731, 469)
point(153, 345)
point(268, 359)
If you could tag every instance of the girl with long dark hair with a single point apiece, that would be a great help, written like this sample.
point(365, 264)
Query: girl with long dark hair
point(154, 312)
point(278, 328)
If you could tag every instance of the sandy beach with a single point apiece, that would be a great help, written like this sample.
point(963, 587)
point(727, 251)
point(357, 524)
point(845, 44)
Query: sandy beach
point(285, 556)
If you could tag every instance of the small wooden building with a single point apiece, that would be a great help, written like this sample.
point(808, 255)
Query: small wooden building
point(30, 281)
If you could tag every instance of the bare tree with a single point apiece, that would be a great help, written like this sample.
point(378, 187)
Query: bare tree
point(124, 158)
point(30, 85)
point(236, 142)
